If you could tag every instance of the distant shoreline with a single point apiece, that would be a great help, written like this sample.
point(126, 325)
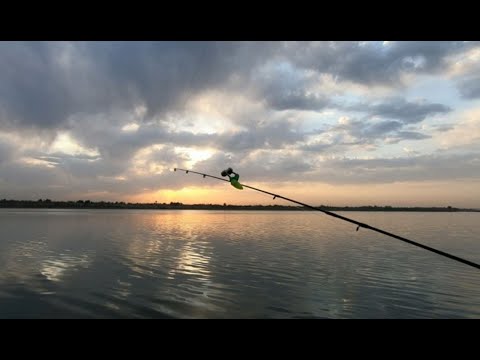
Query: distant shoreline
point(87, 204)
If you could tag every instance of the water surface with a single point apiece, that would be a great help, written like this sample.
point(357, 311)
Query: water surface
point(234, 264)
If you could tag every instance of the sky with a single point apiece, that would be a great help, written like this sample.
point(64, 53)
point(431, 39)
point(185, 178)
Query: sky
point(327, 123)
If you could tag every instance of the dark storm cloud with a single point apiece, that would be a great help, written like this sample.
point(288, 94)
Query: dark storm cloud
point(374, 63)
point(43, 83)
point(32, 87)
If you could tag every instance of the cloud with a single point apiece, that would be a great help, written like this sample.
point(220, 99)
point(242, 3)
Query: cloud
point(284, 87)
point(383, 127)
point(262, 165)
point(418, 168)
point(272, 134)
point(443, 127)
point(109, 119)
point(300, 167)
point(7, 150)
point(470, 87)
point(374, 63)
point(356, 132)
point(464, 133)
point(406, 135)
point(44, 83)
point(400, 109)
point(296, 100)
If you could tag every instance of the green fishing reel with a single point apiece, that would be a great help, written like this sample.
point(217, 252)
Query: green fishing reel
point(233, 179)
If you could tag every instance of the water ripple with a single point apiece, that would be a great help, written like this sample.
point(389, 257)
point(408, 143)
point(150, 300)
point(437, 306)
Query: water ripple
point(201, 264)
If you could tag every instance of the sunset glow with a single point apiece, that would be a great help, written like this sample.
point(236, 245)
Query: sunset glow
point(347, 123)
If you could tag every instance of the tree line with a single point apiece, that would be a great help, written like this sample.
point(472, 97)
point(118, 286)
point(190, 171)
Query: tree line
point(88, 204)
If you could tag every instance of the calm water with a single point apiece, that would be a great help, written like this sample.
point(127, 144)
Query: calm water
point(236, 264)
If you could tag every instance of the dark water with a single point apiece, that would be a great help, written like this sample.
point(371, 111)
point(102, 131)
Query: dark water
point(245, 264)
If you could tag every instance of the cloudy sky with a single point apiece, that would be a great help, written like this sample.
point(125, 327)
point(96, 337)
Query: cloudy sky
point(338, 123)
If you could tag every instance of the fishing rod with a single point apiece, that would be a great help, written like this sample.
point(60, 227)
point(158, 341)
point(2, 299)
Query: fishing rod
point(233, 180)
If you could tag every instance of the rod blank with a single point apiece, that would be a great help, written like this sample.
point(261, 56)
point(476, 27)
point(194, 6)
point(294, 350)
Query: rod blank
point(359, 224)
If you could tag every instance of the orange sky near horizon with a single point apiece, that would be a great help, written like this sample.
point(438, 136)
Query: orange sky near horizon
point(461, 194)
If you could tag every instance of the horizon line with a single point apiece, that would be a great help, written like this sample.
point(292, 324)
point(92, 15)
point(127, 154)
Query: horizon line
point(175, 203)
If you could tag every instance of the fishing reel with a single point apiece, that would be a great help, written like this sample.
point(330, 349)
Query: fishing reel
point(233, 179)
point(228, 171)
